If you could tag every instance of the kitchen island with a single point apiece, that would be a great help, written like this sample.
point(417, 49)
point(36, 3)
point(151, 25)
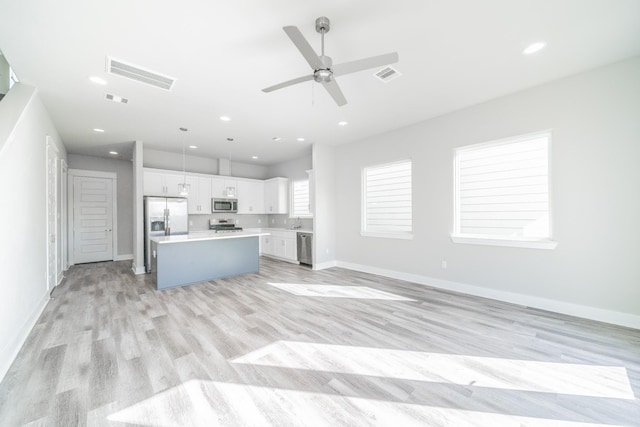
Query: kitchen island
point(201, 256)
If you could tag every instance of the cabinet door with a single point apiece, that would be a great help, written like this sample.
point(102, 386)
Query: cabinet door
point(192, 198)
point(250, 197)
point(204, 195)
point(275, 196)
point(224, 187)
point(171, 182)
point(290, 249)
point(266, 245)
point(153, 183)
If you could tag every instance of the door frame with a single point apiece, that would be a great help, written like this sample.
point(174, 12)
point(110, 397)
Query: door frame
point(72, 174)
point(52, 150)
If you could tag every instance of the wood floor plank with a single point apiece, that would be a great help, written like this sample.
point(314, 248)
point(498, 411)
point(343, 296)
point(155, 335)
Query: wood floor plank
point(110, 350)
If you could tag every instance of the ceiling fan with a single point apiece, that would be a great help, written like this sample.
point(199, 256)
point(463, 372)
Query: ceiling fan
point(324, 71)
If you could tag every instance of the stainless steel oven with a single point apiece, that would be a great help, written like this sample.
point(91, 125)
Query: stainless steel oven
point(224, 205)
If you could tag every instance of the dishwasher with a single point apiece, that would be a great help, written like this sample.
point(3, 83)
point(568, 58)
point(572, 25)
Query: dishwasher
point(305, 245)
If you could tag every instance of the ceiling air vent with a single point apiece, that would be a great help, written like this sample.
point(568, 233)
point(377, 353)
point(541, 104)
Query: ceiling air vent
point(387, 74)
point(115, 66)
point(116, 98)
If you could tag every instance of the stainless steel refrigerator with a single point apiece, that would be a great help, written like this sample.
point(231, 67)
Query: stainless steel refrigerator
point(163, 216)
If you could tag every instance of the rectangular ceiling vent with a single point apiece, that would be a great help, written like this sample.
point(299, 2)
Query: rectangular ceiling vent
point(387, 74)
point(115, 66)
point(116, 98)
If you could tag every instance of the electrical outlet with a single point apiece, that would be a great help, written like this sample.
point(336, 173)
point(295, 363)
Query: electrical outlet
point(190, 223)
point(259, 221)
point(444, 265)
point(285, 222)
point(237, 221)
point(273, 221)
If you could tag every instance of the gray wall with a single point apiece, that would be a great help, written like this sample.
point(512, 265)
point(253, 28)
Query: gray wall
point(325, 212)
point(173, 161)
point(124, 171)
point(24, 127)
point(595, 194)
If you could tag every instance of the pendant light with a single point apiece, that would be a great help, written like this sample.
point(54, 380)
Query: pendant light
point(183, 187)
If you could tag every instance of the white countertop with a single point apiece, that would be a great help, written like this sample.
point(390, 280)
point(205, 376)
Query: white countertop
point(301, 230)
point(207, 235)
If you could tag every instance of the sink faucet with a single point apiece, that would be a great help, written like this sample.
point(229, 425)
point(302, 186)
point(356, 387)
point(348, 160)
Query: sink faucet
point(297, 225)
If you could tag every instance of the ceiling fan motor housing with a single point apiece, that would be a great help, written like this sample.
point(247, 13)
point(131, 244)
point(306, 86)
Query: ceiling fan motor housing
point(323, 25)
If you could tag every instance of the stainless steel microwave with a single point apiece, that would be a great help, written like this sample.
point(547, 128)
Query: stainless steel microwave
point(224, 205)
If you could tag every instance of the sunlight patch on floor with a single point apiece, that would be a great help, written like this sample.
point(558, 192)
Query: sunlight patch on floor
point(508, 374)
point(337, 291)
point(210, 403)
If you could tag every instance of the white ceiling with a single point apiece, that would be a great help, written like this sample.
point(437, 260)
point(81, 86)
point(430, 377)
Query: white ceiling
point(453, 54)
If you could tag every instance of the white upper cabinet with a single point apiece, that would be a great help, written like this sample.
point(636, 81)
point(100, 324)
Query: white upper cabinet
point(275, 196)
point(159, 183)
point(250, 197)
point(199, 198)
point(223, 187)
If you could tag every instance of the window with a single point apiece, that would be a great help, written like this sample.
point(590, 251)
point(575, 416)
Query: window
point(502, 192)
point(300, 199)
point(386, 206)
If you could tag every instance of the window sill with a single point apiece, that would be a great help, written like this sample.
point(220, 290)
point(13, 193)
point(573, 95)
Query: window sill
point(531, 244)
point(402, 236)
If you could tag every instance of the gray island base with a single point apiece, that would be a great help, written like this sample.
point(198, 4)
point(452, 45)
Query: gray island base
point(185, 261)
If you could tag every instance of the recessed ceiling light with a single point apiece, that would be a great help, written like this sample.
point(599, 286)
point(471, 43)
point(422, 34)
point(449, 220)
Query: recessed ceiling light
point(113, 153)
point(230, 139)
point(254, 157)
point(98, 80)
point(533, 48)
point(276, 138)
point(193, 147)
point(225, 118)
point(301, 139)
point(343, 123)
point(98, 130)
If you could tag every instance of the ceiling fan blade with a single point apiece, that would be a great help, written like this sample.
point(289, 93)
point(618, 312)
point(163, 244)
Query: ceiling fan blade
point(335, 92)
point(303, 46)
point(364, 64)
point(288, 83)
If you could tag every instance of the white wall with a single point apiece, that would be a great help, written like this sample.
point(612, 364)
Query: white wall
point(595, 269)
point(23, 222)
point(124, 171)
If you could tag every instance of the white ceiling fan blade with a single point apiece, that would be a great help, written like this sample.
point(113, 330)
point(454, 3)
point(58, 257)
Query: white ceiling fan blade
point(288, 83)
point(364, 64)
point(303, 46)
point(335, 92)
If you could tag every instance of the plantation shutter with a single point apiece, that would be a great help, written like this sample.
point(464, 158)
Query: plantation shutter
point(503, 189)
point(300, 199)
point(387, 198)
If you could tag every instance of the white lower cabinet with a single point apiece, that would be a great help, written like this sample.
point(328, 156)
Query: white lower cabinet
point(280, 244)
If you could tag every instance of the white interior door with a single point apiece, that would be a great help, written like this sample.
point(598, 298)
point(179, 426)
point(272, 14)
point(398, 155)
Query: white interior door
point(52, 216)
point(92, 219)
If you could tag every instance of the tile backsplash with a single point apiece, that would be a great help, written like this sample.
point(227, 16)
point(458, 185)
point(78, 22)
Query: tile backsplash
point(201, 222)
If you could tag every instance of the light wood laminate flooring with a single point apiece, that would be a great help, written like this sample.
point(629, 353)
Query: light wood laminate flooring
point(289, 346)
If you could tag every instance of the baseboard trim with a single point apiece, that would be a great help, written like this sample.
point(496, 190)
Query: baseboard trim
point(325, 265)
point(577, 310)
point(124, 257)
point(137, 270)
point(13, 347)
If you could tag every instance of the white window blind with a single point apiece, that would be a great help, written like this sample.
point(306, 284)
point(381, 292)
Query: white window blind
point(387, 198)
point(502, 189)
point(300, 199)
